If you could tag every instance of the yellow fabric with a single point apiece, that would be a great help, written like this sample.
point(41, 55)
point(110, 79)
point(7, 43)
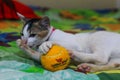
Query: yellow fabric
point(110, 71)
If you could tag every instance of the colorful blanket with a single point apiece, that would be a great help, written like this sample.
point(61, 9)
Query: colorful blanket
point(15, 65)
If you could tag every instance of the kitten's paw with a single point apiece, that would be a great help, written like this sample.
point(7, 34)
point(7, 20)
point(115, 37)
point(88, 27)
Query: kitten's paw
point(21, 44)
point(44, 48)
point(85, 68)
point(19, 41)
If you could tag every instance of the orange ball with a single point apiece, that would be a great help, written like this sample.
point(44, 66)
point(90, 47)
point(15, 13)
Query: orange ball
point(57, 58)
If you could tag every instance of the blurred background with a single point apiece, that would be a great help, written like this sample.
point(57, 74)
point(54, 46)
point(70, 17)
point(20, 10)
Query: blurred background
point(74, 4)
point(69, 15)
point(75, 15)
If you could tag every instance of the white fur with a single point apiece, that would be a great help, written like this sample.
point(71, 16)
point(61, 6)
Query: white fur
point(102, 48)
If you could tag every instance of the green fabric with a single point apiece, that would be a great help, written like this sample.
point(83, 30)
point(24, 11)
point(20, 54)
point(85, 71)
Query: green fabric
point(14, 53)
point(109, 76)
point(33, 69)
point(14, 70)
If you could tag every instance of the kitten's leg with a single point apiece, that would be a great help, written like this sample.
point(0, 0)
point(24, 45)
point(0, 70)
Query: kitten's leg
point(32, 53)
point(96, 57)
point(112, 65)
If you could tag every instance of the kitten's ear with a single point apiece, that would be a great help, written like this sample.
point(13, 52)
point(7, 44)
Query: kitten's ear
point(45, 21)
point(23, 18)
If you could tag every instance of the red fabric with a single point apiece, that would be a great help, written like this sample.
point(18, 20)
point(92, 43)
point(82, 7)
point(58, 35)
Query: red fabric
point(8, 13)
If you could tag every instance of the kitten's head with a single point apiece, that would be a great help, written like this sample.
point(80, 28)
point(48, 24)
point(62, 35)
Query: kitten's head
point(34, 30)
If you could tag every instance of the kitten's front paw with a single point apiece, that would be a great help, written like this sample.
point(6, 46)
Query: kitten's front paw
point(44, 48)
point(21, 44)
point(19, 41)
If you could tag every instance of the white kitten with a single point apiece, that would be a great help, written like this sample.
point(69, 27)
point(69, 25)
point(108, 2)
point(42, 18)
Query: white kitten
point(96, 50)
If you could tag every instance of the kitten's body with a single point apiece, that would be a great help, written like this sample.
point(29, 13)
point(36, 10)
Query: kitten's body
point(98, 50)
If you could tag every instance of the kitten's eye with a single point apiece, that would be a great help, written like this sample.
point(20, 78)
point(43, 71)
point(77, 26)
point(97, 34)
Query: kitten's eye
point(21, 34)
point(32, 35)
